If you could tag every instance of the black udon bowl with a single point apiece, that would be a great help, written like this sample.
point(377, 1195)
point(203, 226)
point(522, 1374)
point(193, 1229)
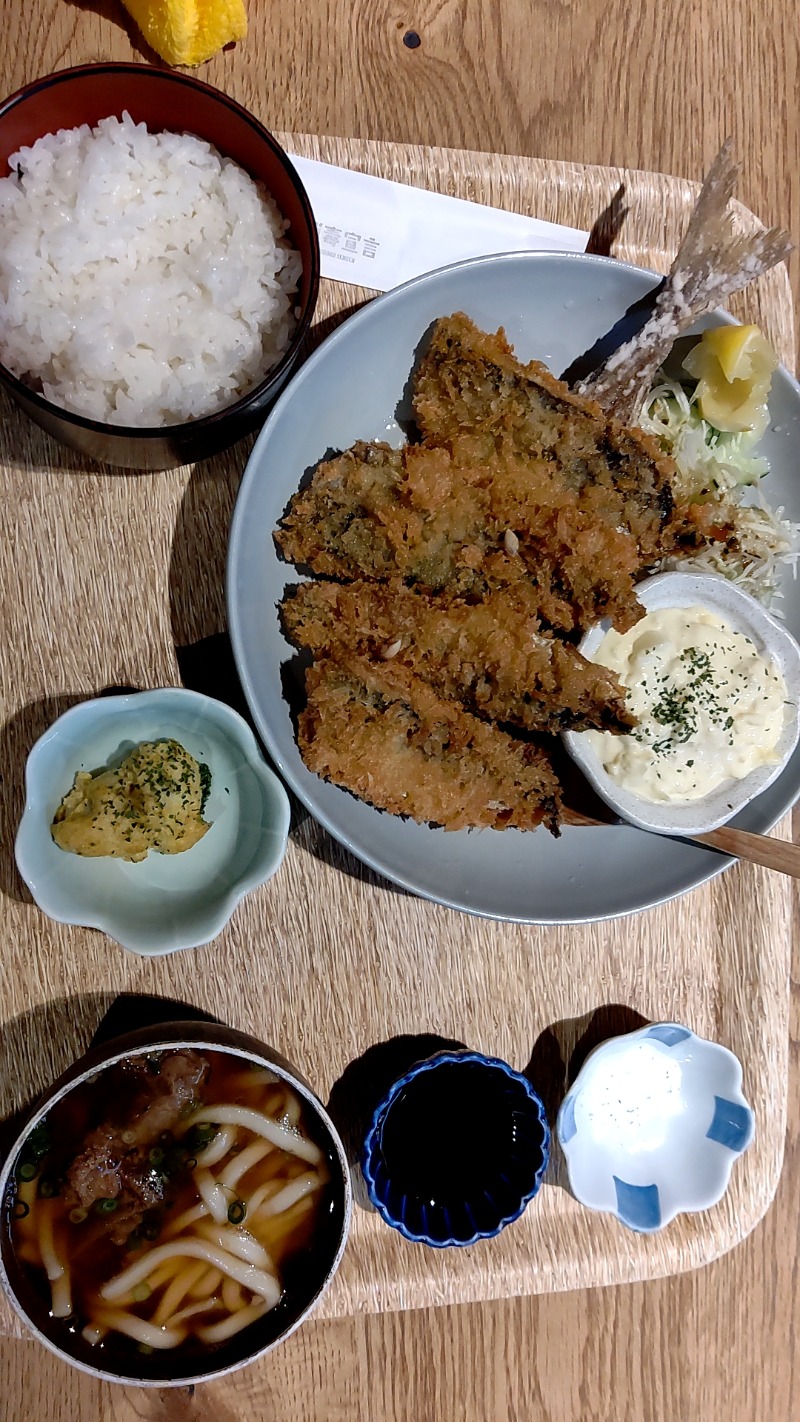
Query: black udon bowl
point(164, 99)
point(308, 1274)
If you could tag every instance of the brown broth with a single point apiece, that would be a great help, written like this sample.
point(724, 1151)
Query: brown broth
point(86, 1245)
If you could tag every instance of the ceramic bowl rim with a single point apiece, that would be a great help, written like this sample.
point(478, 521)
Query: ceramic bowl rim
point(174, 1035)
point(238, 731)
point(456, 1057)
point(204, 423)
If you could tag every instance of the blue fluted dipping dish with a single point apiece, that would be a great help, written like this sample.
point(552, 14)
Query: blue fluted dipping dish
point(456, 1149)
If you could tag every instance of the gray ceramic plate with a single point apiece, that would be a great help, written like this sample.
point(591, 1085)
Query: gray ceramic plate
point(553, 307)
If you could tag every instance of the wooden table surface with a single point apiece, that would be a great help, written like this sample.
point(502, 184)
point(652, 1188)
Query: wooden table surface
point(628, 82)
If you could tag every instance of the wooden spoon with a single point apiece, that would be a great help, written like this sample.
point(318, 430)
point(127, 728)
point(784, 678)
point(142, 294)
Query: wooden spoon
point(775, 854)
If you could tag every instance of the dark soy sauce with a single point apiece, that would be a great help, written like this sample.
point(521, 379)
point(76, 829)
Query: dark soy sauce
point(449, 1133)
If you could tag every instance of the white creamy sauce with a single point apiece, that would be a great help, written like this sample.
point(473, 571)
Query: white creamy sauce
point(630, 1099)
point(709, 707)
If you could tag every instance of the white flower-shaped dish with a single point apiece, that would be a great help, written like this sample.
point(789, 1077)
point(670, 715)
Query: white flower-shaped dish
point(774, 642)
point(167, 901)
point(652, 1125)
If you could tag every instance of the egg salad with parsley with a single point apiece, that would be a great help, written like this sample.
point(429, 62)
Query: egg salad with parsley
point(709, 707)
point(153, 800)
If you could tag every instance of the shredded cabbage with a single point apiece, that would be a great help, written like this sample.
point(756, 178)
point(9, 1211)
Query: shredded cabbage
point(707, 459)
point(717, 467)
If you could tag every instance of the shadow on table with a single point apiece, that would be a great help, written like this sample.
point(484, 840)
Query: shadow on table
point(25, 445)
point(45, 1041)
point(38, 1045)
point(117, 15)
point(365, 1081)
point(17, 738)
point(558, 1055)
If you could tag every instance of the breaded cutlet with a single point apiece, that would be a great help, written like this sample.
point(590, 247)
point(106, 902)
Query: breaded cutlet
point(472, 394)
point(378, 730)
point(376, 512)
point(490, 656)
point(416, 514)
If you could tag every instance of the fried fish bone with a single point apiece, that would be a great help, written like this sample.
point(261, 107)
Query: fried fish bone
point(712, 262)
point(384, 734)
point(491, 656)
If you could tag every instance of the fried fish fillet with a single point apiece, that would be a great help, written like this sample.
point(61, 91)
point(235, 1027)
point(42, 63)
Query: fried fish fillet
point(381, 732)
point(378, 512)
point(418, 514)
point(472, 395)
point(491, 656)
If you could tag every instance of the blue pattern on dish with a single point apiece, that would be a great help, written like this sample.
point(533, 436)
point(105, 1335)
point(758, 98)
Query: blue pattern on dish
point(668, 1033)
point(487, 1213)
point(639, 1205)
point(732, 1125)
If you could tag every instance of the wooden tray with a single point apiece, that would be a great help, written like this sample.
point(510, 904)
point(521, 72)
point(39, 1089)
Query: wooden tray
point(114, 580)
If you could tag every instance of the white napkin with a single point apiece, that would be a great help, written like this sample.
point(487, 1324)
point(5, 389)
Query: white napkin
point(376, 233)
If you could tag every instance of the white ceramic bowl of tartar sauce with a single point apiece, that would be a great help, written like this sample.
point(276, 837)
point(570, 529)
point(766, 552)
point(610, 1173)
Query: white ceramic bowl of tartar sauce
point(653, 1125)
point(715, 683)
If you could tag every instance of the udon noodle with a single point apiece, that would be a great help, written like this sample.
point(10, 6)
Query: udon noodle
point(161, 1203)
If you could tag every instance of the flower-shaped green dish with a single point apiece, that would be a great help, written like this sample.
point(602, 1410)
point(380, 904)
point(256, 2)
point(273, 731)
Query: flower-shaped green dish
point(166, 901)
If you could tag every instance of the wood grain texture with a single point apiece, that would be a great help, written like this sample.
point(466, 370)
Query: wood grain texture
point(622, 82)
point(343, 963)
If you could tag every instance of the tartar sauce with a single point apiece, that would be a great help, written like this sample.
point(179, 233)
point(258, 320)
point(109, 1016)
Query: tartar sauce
point(629, 1100)
point(710, 708)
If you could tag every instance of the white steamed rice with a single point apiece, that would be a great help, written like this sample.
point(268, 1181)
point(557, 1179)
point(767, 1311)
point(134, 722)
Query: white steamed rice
point(144, 279)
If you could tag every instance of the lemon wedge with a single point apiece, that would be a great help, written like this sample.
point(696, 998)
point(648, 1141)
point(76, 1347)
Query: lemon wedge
point(733, 366)
point(188, 31)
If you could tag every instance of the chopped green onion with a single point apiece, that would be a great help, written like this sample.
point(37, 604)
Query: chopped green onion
point(127, 1137)
point(174, 1160)
point(78, 1215)
point(27, 1170)
point(156, 1155)
point(205, 785)
point(20, 1210)
point(191, 1162)
point(47, 1188)
point(151, 1229)
point(145, 1349)
point(106, 1207)
point(134, 1240)
point(201, 1136)
point(141, 1292)
point(38, 1142)
point(237, 1212)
